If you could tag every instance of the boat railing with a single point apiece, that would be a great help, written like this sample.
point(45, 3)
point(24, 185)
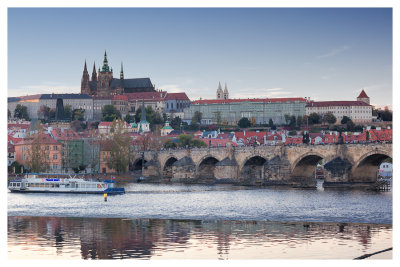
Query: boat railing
point(83, 176)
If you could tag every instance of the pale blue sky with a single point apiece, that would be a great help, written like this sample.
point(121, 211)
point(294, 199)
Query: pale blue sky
point(322, 53)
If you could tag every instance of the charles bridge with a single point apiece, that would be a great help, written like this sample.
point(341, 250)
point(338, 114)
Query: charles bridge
point(346, 164)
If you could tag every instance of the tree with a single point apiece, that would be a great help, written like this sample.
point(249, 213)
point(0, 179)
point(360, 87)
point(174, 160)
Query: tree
point(37, 159)
point(314, 118)
point(129, 118)
point(52, 114)
point(176, 123)
point(218, 117)
point(244, 123)
point(8, 114)
point(299, 120)
point(197, 117)
point(21, 112)
point(350, 126)
point(68, 112)
point(386, 114)
point(330, 118)
point(78, 114)
point(188, 141)
point(292, 121)
point(345, 119)
point(287, 118)
point(110, 113)
point(253, 121)
point(44, 113)
point(120, 148)
point(270, 123)
point(170, 144)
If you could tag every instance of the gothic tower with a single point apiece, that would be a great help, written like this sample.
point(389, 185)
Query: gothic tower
point(226, 93)
point(220, 93)
point(85, 87)
point(104, 78)
point(120, 89)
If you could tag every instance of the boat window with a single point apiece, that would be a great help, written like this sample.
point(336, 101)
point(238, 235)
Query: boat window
point(77, 185)
point(57, 185)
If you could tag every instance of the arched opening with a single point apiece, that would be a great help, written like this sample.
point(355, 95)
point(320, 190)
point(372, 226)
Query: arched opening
point(137, 165)
point(207, 167)
point(167, 171)
point(367, 169)
point(253, 169)
point(307, 167)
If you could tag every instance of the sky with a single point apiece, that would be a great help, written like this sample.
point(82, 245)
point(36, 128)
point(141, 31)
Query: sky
point(321, 53)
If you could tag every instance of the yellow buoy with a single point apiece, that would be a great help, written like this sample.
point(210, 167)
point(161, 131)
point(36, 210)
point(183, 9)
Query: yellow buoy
point(105, 196)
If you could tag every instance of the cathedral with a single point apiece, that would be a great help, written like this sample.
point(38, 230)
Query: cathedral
point(104, 84)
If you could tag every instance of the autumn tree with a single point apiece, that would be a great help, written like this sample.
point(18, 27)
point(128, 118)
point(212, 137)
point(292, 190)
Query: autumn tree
point(37, 159)
point(120, 148)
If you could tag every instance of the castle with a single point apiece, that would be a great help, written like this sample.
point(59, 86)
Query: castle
point(104, 84)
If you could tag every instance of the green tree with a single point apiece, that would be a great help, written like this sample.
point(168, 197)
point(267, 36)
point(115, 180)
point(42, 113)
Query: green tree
point(120, 148)
point(67, 112)
point(299, 120)
point(345, 119)
point(170, 144)
point(287, 119)
point(8, 114)
point(314, 118)
point(176, 123)
point(350, 126)
point(110, 113)
point(197, 117)
point(244, 123)
point(78, 114)
point(129, 118)
point(21, 112)
point(270, 123)
point(330, 118)
point(187, 140)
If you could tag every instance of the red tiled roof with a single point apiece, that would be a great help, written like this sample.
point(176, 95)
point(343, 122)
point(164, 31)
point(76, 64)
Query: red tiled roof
point(177, 96)
point(362, 94)
point(14, 140)
point(120, 97)
point(105, 123)
point(18, 125)
point(335, 103)
point(147, 96)
point(66, 134)
point(264, 100)
point(43, 139)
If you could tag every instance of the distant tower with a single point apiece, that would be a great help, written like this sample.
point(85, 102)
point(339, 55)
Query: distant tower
point(144, 125)
point(94, 80)
point(120, 90)
point(363, 97)
point(104, 78)
point(226, 93)
point(85, 87)
point(220, 93)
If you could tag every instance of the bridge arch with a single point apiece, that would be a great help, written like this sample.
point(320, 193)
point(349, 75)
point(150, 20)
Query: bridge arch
point(167, 169)
point(253, 168)
point(206, 167)
point(365, 169)
point(137, 164)
point(304, 166)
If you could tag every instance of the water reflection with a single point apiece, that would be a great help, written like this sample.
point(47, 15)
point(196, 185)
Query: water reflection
point(114, 238)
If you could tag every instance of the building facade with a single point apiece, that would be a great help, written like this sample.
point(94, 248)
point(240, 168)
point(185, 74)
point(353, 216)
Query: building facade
point(359, 111)
point(230, 111)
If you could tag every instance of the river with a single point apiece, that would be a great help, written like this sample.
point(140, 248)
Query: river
point(201, 221)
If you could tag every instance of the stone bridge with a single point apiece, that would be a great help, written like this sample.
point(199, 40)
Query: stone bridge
point(267, 165)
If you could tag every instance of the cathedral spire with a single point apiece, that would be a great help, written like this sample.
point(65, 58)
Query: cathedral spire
point(85, 68)
point(219, 86)
point(105, 67)
point(121, 75)
point(94, 74)
point(85, 88)
point(226, 88)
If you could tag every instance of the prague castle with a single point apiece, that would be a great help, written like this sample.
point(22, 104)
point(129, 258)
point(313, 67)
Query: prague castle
point(104, 84)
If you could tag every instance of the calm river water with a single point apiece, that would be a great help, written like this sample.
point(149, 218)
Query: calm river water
point(200, 222)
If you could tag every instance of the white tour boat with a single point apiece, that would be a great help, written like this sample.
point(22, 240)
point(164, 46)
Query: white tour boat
point(39, 183)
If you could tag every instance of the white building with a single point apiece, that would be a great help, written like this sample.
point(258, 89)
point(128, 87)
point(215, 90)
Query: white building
point(359, 111)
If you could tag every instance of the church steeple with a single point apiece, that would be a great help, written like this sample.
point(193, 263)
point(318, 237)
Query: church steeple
point(226, 93)
point(121, 75)
point(85, 88)
point(94, 74)
point(105, 67)
point(219, 91)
